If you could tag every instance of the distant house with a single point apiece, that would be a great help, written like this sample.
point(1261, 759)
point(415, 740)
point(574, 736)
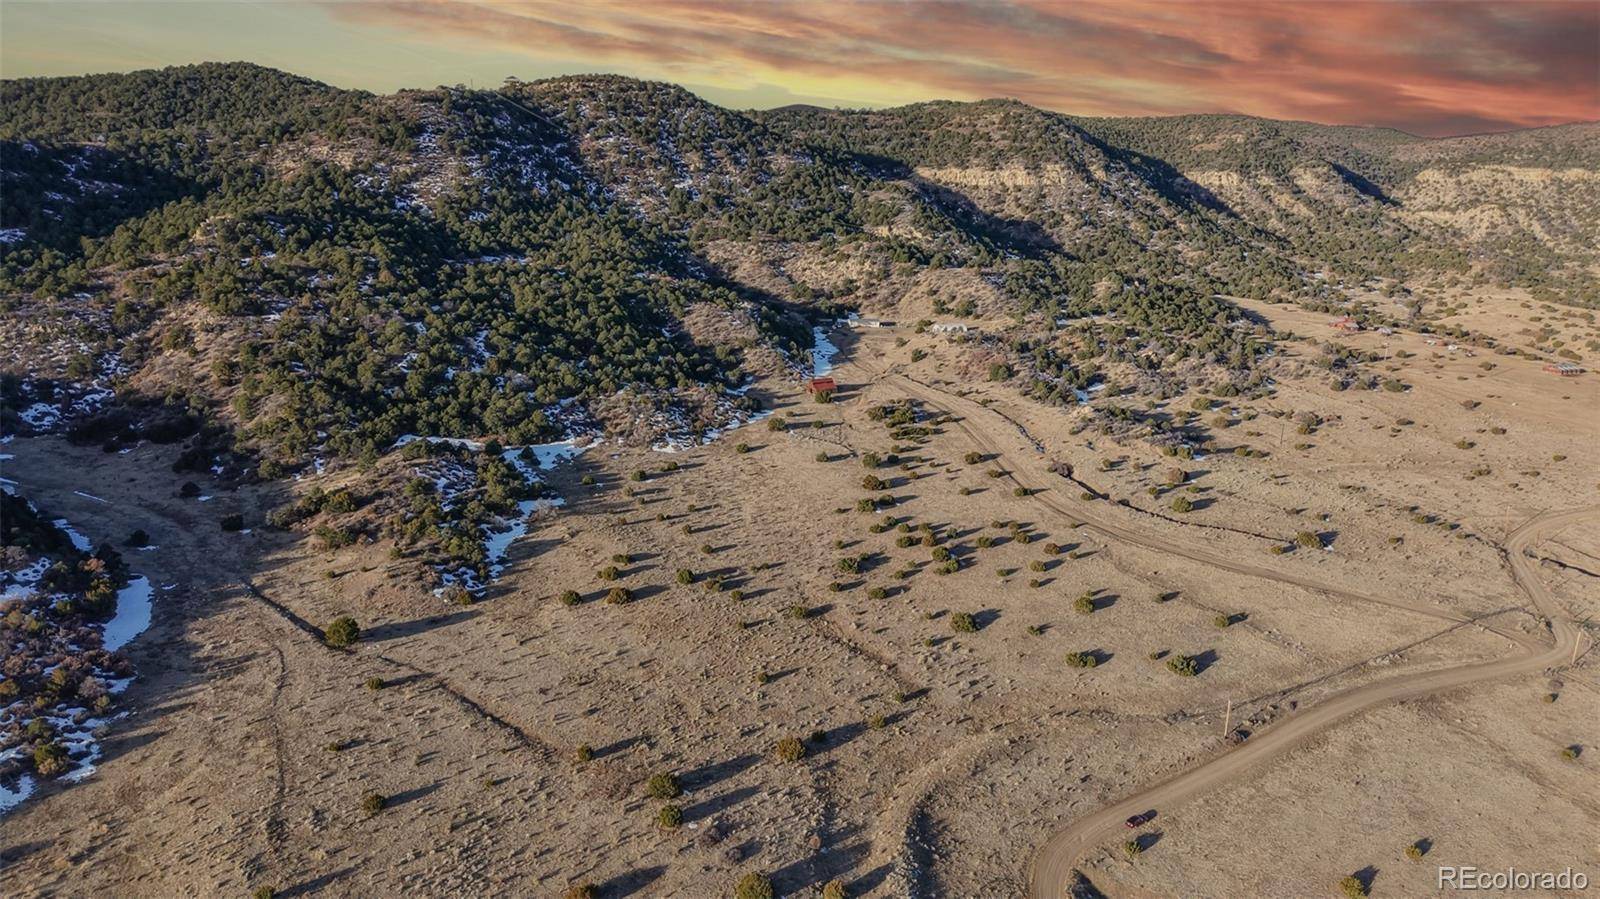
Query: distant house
point(1346, 324)
point(821, 385)
point(950, 328)
point(870, 323)
point(1564, 369)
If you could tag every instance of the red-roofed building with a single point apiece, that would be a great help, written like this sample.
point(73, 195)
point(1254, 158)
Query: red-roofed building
point(821, 385)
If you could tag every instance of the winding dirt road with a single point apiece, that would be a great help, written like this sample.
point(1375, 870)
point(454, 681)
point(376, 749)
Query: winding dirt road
point(1053, 866)
point(1052, 871)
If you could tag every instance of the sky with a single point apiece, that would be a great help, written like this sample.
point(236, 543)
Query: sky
point(1432, 67)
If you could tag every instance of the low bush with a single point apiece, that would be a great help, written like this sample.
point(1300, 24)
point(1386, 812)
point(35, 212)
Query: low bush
point(753, 886)
point(789, 749)
point(1183, 666)
point(341, 632)
point(663, 786)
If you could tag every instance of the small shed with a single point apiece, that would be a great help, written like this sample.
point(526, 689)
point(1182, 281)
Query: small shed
point(821, 385)
point(1564, 369)
point(1346, 324)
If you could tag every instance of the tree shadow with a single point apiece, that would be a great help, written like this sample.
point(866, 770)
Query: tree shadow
point(716, 772)
point(618, 746)
point(719, 803)
point(317, 884)
point(632, 882)
point(400, 629)
point(410, 795)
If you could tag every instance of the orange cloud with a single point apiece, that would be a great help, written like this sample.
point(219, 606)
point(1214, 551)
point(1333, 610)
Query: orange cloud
point(1442, 67)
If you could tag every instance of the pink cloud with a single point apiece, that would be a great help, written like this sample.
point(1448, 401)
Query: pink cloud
point(1430, 67)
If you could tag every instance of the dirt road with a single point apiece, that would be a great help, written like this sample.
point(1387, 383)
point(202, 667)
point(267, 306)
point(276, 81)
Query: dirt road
point(1052, 871)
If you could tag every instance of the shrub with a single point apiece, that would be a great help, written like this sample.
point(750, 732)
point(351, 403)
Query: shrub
point(570, 598)
point(1081, 660)
point(776, 424)
point(341, 632)
point(873, 482)
point(871, 460)
point(1307, 539)
point(877, 722)
point(685, 577)
point(51, 759)
point(582, 891)
point(789, 749)
point(457, 595)
point(1183, 666)
point(963, 623)
point(834, 889)
point(878, 593)
point(1570, 753)
point(941, 554)
point(610, 573)
point(1415, 851)
point(1131, 849)
point(822, 457)
point(1352, 887)
point(1084, 604)
point(138, 538)
point(617, 596)
point(1036, 565)
point(973, 458)
point(663, 786)
point(373, 803)
point(796, 612)
point(374, 683)
point(741, 448)
point(1222, 620)
point(1019, 491)
point(1182, 504)
point(583, 753)
point(753, 886)
point(670, 817)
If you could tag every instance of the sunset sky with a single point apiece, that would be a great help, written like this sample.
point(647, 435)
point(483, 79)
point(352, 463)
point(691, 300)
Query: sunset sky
point(1437, 67)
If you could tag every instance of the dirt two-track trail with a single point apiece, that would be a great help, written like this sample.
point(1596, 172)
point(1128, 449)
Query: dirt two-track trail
point(1052, 871)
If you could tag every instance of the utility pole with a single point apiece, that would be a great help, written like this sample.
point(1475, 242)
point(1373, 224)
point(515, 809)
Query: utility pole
point(1227, 719)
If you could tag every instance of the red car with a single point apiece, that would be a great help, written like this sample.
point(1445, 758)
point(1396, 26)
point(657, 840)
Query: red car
point(1141, 820)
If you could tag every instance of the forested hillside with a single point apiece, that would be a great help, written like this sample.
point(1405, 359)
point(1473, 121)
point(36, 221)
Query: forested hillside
point(321, 271)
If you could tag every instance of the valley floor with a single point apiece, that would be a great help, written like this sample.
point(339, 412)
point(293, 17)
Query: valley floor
point(938, 759)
